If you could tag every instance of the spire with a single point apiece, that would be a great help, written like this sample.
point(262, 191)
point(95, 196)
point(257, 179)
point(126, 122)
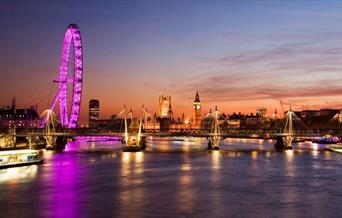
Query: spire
point(170, 113)
point(14, 104)
point(197, 99)
point(170, 109)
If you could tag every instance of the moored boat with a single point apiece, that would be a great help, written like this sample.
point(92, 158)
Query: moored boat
point(13, 158)
point(335, 147)
point(327, 139)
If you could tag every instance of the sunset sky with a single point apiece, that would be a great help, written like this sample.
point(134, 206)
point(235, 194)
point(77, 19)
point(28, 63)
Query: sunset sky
point(239, 55)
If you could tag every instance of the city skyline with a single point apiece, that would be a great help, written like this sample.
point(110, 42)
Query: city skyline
point(170, 108)
point(239, 56)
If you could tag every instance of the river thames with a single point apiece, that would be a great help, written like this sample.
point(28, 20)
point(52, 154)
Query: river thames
point(176, 177)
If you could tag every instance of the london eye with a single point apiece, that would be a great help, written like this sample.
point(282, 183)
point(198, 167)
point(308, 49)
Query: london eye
point(72, 39)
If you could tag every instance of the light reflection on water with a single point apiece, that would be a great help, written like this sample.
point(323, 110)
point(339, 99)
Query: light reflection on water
point(131, 183)
point(16, 174)
point(246, 178)
point(185, 195)
point(216, 156)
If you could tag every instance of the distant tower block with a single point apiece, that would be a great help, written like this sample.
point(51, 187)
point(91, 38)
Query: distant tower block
point(164, 106)
point(94, 112)
point(197, 112)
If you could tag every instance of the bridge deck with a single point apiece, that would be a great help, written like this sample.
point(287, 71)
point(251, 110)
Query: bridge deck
point(193, 133)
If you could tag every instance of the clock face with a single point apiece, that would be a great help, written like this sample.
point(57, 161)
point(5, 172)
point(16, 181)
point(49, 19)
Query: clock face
point(198, 106)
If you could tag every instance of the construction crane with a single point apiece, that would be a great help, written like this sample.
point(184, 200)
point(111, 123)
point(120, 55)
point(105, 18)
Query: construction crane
point(282, 106)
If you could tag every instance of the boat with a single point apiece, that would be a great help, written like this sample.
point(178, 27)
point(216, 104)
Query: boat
point(14, 158)
point(335, 147)
point(327, 139)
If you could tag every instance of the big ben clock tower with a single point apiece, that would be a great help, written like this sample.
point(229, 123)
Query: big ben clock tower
point(197, 112)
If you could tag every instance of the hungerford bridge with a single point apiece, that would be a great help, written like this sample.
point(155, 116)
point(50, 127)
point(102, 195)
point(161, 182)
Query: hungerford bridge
point(260, 134)
point(68, 118)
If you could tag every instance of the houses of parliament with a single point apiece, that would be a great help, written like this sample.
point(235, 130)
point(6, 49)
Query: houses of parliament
point(167, 121)
point(162, 121)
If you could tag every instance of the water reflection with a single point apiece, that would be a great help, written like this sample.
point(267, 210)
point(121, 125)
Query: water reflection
point(16, 174)
point(327, 155)
point(268, 154)
point(215, 199)
point(216, 157)
point(93, 144)
point(315, 149)
point(61, 189)
point(254, 155)
point(132, 163)
point(247, 144)
point(131, 189)
point(186, 145)
point(185, 196)
point(186, 167)
point(289, 165)
point(162, 146)
point(215, 166)
point(261, 144)
point(289, 155)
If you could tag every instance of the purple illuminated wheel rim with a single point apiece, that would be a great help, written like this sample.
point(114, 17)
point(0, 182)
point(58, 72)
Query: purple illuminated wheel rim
point(71, 35)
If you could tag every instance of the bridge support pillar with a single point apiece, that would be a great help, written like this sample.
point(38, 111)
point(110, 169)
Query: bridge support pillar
point(60, 143)
point(214, 143)
point(132, 145)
